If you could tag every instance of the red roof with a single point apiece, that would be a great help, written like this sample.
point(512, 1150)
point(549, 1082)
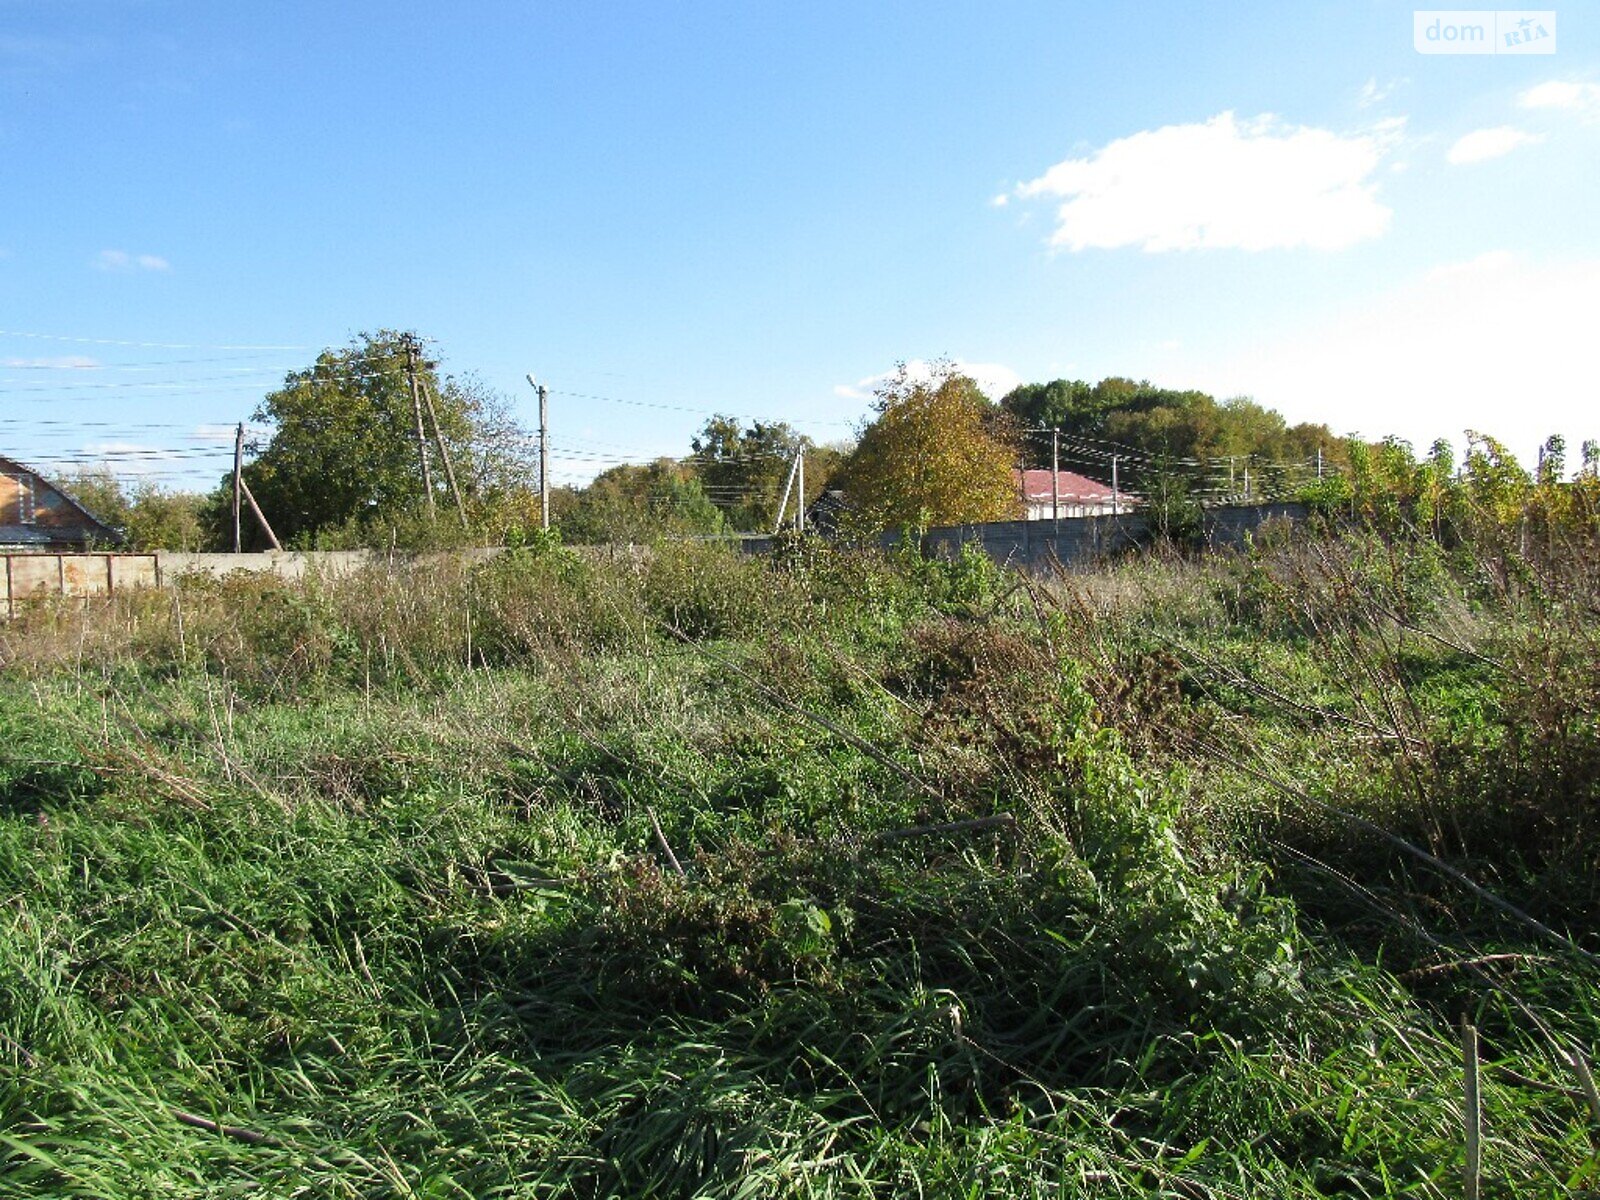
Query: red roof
point(1075, 488)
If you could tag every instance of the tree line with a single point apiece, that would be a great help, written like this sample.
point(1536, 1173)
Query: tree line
point(341, 467)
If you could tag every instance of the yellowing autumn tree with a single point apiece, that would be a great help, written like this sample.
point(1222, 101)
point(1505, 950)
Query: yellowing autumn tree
point(936, 454)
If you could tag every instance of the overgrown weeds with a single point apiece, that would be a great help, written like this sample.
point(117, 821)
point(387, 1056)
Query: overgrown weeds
point(693, 875)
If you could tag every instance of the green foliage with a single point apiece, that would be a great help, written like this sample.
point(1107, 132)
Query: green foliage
point(744, 469)
point(639, 504)
point(342, 468)
point(1174, 514)
point(1155, 421)
point(148, 516)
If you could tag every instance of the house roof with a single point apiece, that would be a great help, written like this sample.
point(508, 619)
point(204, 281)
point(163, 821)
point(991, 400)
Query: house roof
point(1074, 488)
point(12, 466)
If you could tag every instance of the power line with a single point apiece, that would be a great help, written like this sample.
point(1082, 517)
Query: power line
point(93, 341)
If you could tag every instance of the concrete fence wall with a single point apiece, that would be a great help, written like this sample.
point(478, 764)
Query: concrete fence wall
point(1033, 545)
point(1074, 541)
point(37, 576)
point(33, 576)
point(1041, 545)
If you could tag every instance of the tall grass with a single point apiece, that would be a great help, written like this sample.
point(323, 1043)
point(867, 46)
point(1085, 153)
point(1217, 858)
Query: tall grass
point(690, 875)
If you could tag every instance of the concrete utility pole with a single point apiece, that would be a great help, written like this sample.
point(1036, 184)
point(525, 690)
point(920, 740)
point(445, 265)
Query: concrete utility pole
point(1055, 480)
point(800, 499)
point(422, 437)
point(544, 451)
point(788, 486)
point(1319, 464)
point(238, 484)
point(1116, 489)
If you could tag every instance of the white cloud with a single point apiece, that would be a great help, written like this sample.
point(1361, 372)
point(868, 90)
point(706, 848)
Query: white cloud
point(1483, 144)
point(1255, 184)
point(993, 379)
point(121, 260)
point(1559, 93)
point(1498, 344)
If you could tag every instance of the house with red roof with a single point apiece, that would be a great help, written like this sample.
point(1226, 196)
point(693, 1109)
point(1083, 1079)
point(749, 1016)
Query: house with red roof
point(1047, 494)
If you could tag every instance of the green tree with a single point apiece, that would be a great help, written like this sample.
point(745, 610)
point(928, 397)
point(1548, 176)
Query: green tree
point(743, 469)
point(637, 504)
point(1157, 422)
point(934, 455)
point(341, 465)
point(148, 516)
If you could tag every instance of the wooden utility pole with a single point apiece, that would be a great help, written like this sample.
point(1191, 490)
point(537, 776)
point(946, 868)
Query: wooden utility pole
point(444, 451)
point(260, 516)
point(422, 437)
point(238, 484)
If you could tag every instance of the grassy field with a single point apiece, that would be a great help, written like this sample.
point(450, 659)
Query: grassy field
point(828, 875)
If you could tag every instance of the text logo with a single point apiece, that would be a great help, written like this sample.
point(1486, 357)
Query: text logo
point(1483, 31)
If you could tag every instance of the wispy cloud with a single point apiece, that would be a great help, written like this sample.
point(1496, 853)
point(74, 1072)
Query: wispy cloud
point(1483, 144)
point(121, 260)
point(62, 362)
point(1246, 184)
point(1559, 93)
point(1373, 93)
point(993, 379)
point(131, 458)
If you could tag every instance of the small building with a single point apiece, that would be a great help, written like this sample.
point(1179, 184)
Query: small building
point(1047, 494)
point(35, 514)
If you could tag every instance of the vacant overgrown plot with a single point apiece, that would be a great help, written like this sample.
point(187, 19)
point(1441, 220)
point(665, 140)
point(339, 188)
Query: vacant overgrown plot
point(827, 875)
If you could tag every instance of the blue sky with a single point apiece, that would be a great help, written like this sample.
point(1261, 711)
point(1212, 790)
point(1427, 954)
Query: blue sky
point(757, 209)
